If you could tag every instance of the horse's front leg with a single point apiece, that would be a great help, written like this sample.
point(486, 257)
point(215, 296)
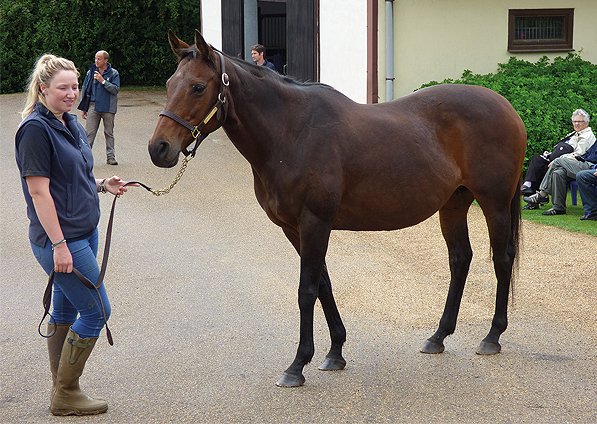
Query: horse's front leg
point(314, 238)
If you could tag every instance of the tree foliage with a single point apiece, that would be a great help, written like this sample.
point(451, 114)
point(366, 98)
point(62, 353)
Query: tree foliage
point(134, 32)
point(544, 94)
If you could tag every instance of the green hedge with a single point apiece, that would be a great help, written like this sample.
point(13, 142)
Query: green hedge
point(134, 32)
point(543, 93)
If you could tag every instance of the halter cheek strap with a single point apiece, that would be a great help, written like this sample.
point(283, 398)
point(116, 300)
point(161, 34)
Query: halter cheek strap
point(215, 110)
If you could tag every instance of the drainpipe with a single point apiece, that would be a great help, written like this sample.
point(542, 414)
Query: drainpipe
point(389, 50)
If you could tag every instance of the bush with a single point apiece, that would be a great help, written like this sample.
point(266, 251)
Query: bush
point(544, 94)
point(134, 32)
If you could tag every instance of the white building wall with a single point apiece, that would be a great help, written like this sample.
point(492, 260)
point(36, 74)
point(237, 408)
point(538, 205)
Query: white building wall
point(211, 22)
point(343, 47)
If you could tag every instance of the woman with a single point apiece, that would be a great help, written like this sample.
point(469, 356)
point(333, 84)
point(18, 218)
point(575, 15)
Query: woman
point(55, 162)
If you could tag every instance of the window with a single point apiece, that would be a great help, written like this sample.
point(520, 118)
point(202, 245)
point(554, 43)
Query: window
point(540, 30)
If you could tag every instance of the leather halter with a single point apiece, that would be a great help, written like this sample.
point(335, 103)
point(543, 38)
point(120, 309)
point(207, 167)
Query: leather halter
point(216, 110)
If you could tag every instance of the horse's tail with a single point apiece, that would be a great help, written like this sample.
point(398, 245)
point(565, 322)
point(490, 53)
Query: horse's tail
point(515, 234)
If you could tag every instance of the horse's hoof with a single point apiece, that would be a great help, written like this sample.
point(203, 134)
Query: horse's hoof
point(431, 346)
point(489, 348)
point(291, 380)
point(333, 364)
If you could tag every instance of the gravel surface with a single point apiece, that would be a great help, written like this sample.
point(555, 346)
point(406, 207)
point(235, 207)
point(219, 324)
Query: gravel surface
point(203, 290)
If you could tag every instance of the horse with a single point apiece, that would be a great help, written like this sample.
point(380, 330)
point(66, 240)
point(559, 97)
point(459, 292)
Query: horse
point(323, 162)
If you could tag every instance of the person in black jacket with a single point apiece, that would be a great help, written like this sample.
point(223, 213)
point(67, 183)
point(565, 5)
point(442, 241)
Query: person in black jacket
point(587, 188)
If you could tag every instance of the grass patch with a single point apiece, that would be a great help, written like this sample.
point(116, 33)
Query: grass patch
point(571, 221)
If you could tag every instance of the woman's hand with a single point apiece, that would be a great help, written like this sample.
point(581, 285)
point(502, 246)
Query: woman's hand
point(116, 186)
point(63, 261)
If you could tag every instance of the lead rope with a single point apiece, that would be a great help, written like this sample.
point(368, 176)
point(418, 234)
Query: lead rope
point(183, 167)
point(177, 178)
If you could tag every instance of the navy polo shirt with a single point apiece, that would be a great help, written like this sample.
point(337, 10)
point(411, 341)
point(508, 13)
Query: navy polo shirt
point(45, 147)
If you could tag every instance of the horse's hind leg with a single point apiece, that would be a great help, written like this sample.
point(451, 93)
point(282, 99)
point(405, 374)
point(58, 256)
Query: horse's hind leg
point(455, 231)
point(503, 234)
point(334, 359)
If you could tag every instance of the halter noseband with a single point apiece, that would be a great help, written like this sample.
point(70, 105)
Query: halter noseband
point(216, 110)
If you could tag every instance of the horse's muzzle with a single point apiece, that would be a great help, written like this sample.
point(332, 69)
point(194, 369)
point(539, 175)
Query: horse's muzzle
point(162, 154)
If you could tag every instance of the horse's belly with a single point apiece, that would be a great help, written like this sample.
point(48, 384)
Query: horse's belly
point(384, 217)
point(385, 204)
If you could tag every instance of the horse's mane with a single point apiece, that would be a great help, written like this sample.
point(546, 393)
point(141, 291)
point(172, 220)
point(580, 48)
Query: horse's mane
point(266, 73)
point(260, 71)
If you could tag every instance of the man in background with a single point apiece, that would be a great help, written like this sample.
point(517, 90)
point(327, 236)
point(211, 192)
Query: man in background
point(258, 54)
point(102, 83)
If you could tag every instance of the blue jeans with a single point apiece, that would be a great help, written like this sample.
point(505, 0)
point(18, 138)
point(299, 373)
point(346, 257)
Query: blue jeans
point(586, 181)
point(71, 297)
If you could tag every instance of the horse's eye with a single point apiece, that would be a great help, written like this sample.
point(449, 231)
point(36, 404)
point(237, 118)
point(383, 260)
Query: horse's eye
point(199, 88)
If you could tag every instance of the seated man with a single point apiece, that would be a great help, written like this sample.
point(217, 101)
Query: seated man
point(587, 187)
point(564, 169)
point(538, 166)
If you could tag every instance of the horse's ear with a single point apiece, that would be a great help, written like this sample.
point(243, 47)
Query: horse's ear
point(204, 49)
point(176, 43)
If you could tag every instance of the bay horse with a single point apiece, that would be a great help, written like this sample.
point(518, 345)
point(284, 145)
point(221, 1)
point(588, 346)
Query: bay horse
point(322, 162)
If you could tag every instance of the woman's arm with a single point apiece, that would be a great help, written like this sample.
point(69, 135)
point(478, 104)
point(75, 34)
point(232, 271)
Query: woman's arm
point(39, 189)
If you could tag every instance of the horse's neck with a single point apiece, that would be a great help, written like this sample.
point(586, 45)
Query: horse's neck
point(255, 119)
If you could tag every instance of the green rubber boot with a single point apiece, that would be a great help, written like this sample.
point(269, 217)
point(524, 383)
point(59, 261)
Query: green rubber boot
point(68, 398)
point(55, 344)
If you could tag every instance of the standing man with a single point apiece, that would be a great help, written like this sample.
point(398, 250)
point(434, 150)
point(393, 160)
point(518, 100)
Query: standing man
point(102, 83)
point(258, 54)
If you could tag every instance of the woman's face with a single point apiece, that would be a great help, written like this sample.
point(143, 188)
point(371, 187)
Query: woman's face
point(62, 93)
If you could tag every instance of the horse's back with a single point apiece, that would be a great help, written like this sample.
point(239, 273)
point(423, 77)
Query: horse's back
point(470, 127)
point(445, 105)
point(407, 157)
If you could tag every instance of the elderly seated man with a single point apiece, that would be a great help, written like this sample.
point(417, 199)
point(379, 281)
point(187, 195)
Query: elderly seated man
point(564, 169)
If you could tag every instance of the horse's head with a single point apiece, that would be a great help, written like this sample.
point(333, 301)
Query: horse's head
point(196, 99)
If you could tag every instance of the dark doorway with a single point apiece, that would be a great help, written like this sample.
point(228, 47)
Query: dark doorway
point(271, 23)
point(296, 41)
point(232, 28)
point(303, 47)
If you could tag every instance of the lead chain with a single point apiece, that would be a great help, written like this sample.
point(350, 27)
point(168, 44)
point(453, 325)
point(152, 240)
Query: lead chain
point(183, 167)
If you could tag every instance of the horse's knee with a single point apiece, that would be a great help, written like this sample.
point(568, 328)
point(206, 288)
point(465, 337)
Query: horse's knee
point(306, 299)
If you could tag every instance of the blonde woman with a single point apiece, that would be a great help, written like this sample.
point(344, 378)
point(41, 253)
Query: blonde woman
point(55, 163)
